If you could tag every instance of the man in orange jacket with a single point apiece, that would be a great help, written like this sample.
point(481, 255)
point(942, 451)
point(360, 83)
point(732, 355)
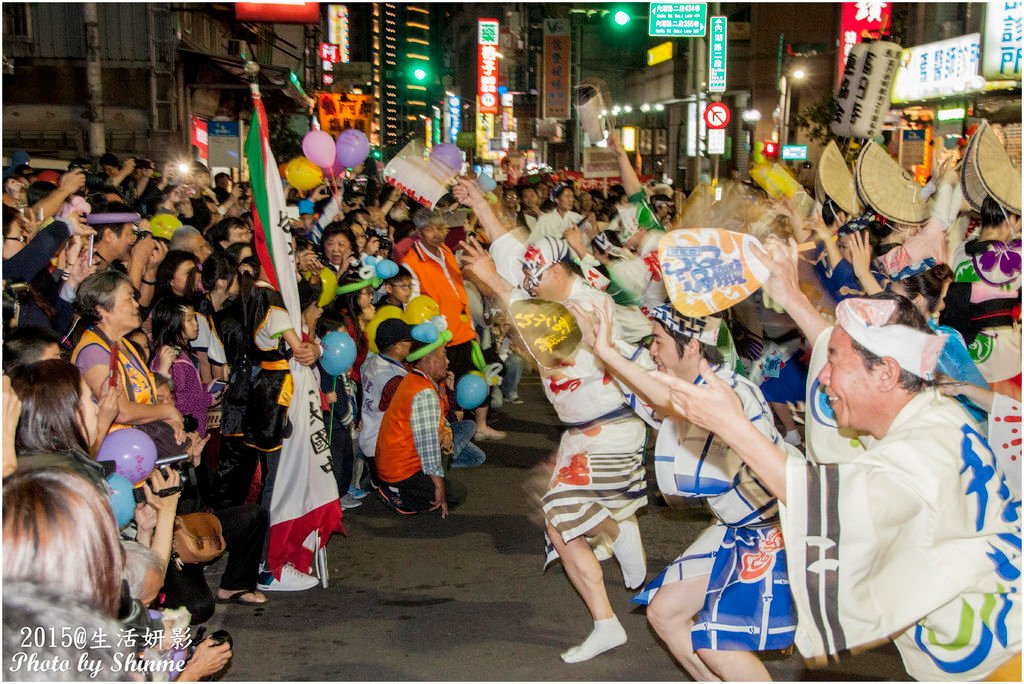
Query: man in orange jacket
point(437, 275)
point(415, 442)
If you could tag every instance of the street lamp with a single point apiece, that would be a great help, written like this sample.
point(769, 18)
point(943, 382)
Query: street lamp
point(787, 96)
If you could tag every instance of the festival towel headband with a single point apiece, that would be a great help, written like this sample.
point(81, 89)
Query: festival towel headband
point(704, 329)
point(855, 224)
point(913, 269)
point(865, 320)
point(543, 254)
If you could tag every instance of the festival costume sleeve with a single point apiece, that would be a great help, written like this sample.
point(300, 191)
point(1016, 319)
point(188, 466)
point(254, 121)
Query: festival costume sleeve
point(274, 325)
point(507, 252)
point(426, 417)
point(642, 358)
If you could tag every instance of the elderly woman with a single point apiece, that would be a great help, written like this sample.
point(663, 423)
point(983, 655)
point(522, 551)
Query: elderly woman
point(107, 305)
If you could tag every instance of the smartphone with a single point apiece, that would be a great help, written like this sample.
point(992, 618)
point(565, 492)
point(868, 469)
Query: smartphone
point(91, 239)
point(216, 387)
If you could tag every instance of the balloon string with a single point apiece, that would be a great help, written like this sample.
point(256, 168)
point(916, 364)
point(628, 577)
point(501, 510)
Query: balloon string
point(337, 197)
point(330, 428)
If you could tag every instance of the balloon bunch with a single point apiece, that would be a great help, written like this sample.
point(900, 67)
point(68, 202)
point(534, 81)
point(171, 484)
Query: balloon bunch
point(133, 454)
point(373, 272)
point(325, 156)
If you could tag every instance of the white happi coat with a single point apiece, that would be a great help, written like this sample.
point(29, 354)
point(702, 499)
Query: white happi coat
point(915, 538)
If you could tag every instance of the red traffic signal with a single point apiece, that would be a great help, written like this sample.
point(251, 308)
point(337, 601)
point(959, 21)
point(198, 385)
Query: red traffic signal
point(771, 149)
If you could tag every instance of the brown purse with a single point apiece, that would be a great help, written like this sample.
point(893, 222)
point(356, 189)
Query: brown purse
point(198, 538)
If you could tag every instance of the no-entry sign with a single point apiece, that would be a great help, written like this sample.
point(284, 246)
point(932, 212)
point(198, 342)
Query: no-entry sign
point(717, 115)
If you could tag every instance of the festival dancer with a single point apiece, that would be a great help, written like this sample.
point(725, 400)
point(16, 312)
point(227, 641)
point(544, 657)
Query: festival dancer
point(598, 480)
point(732, 579)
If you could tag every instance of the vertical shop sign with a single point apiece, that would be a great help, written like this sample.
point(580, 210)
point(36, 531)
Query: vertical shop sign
point(487, 66)
point(860, 19)
point(557, 68)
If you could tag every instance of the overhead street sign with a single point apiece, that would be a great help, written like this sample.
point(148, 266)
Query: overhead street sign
point(794, 152)
point(716, 55)
point(717, 115)
point(678, 19)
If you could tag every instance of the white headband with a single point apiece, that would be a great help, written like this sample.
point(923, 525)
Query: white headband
point(865, 320)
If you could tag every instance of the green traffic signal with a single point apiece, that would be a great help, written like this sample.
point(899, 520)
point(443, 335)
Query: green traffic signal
point(419, 74)
point(621, 17)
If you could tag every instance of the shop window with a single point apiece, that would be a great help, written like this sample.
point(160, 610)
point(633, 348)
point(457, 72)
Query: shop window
point(17, 21)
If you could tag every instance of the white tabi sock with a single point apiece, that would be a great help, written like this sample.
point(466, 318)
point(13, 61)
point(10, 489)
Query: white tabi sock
point(629, 552)
point(607, 635)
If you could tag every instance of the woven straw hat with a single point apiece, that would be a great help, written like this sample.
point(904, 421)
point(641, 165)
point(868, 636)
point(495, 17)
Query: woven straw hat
point(834, 180)
point(887, 189)
point(988, 171)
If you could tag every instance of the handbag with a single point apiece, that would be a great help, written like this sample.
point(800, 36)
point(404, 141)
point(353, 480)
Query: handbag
point(198, 538)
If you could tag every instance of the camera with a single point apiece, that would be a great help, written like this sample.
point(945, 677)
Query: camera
point(141, 163)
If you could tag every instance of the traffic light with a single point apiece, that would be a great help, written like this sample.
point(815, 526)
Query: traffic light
point(375, 153)
point(771, 149)
point(419, 74)
point(620, 17)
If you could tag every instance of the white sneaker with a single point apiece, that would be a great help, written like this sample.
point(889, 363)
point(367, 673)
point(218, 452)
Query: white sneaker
point(350, 501)
point(291, 580)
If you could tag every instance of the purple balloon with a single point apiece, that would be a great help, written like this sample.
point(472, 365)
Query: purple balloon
point(132, 451)
point(318, 146)
point(352, 148)
point(447, 155)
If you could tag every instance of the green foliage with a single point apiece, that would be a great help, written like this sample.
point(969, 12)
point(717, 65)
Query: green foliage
point(816, 118)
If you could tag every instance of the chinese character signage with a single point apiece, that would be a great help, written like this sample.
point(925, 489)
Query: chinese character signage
point(453, 115)
point(948, 67)
point(330, 52)
point(557, 70)
point(678, 19)
point(1003, 37)
point(200, 139)
point(487, 66)
point(337, 30)
point(858, 19)
point(339, 111)
point(716, 55)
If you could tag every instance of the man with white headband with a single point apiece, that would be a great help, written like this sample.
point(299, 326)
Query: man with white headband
point(913, 535)
point(598, 480)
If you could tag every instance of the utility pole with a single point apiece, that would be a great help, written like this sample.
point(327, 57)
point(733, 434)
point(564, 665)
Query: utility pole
point(94, 80)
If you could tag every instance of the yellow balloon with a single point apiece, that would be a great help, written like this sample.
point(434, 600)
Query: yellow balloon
point(164, 225)
point(303, 174)
point(420, 310)
point(328, 287)
point(383, 313)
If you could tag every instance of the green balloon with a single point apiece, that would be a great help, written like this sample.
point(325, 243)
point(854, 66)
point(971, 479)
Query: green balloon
point(758, 147)
point(758, 158)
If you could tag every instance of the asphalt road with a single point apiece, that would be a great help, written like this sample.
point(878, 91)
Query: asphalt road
point(421, 598)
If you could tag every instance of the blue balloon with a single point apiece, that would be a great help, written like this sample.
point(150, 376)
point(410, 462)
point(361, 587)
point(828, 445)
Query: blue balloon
point(486, 183)
point(425, 333)
point(386, 268)
point(121, 499)
point(470, 391)
point(339, 353)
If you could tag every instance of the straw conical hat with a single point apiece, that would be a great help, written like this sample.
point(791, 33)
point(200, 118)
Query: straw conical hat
point(835, 181)
point(988, 171)
point(887, 189)
point(970, 184)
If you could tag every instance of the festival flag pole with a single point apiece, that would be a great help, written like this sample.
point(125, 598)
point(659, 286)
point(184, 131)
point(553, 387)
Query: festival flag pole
point(305, 504)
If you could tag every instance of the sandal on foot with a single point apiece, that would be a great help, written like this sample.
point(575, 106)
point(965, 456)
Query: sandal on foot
point(236, 597)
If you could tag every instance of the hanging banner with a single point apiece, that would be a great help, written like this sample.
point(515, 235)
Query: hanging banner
point(863, 94)
point(337, 30)
point(487, 65)
point(861, 20)
point(557, 68)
